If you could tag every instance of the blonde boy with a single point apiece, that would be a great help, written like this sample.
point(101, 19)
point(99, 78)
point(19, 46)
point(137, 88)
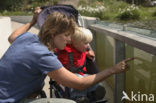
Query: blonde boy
point(74, 55)
point(73, 58)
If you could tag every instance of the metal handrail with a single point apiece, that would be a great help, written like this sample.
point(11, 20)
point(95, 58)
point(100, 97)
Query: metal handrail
point(121, 37)
point(138, 41)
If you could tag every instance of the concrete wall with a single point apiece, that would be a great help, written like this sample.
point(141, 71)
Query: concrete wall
point(5, 31)
point(22, 19)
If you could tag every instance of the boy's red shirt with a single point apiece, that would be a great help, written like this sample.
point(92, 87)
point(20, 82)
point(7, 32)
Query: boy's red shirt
point(78, 57)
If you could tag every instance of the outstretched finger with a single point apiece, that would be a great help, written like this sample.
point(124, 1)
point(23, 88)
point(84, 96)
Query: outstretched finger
point(129, 59)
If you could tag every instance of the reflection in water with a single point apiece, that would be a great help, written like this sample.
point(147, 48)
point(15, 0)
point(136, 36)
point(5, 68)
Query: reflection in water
point(104, 53)
point(142, 75)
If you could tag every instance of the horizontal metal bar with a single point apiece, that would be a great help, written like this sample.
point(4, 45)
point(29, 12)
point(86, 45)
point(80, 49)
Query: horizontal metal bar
point(134, 40)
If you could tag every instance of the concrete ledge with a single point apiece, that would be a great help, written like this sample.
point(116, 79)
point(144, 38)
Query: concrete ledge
point(87, 21)
point(23, 20)
point(5, 31)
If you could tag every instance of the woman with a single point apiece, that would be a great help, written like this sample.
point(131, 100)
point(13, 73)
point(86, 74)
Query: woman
point(29, 60)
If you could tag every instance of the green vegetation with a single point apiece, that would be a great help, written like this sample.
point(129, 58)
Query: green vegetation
point(108, 10)
point(21, 7)
point(113, 10)
point(129, 13)
point(154, 14)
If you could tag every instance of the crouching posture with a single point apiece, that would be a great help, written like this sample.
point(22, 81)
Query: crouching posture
point(30, 59)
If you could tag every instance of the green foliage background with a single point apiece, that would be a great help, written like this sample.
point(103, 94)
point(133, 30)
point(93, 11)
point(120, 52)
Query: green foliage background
point(111, 13)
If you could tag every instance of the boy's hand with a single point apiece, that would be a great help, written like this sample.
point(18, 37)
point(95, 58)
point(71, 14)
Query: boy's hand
point(90, 55)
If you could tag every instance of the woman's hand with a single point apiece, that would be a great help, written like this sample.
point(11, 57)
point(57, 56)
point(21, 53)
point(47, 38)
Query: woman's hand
point(121, 66)
point(24, 28)
point(36, 12)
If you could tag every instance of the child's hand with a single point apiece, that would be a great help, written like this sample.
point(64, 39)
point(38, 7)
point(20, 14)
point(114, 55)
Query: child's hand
point(90, 55)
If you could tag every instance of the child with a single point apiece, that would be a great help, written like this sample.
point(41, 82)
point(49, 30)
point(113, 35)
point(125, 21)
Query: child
point(76, 51)
point(73, 58)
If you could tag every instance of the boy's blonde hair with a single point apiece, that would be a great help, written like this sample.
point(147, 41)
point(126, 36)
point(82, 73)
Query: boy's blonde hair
point(82, 35)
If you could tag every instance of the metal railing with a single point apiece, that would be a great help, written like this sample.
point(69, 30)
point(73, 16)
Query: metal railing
point(121, 37)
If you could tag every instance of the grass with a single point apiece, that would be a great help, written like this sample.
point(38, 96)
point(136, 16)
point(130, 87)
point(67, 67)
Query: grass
point(147, 13)
point(143, 17)
point(110, 13)
point(25, 10)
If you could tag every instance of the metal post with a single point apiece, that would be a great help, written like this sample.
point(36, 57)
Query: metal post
point(119, 78)
point(93, 43)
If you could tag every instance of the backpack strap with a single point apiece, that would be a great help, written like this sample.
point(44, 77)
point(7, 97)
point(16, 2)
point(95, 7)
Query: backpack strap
point(74, 69)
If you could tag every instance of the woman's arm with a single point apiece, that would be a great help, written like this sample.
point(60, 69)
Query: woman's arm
point(24, 28)
point(66, 78)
